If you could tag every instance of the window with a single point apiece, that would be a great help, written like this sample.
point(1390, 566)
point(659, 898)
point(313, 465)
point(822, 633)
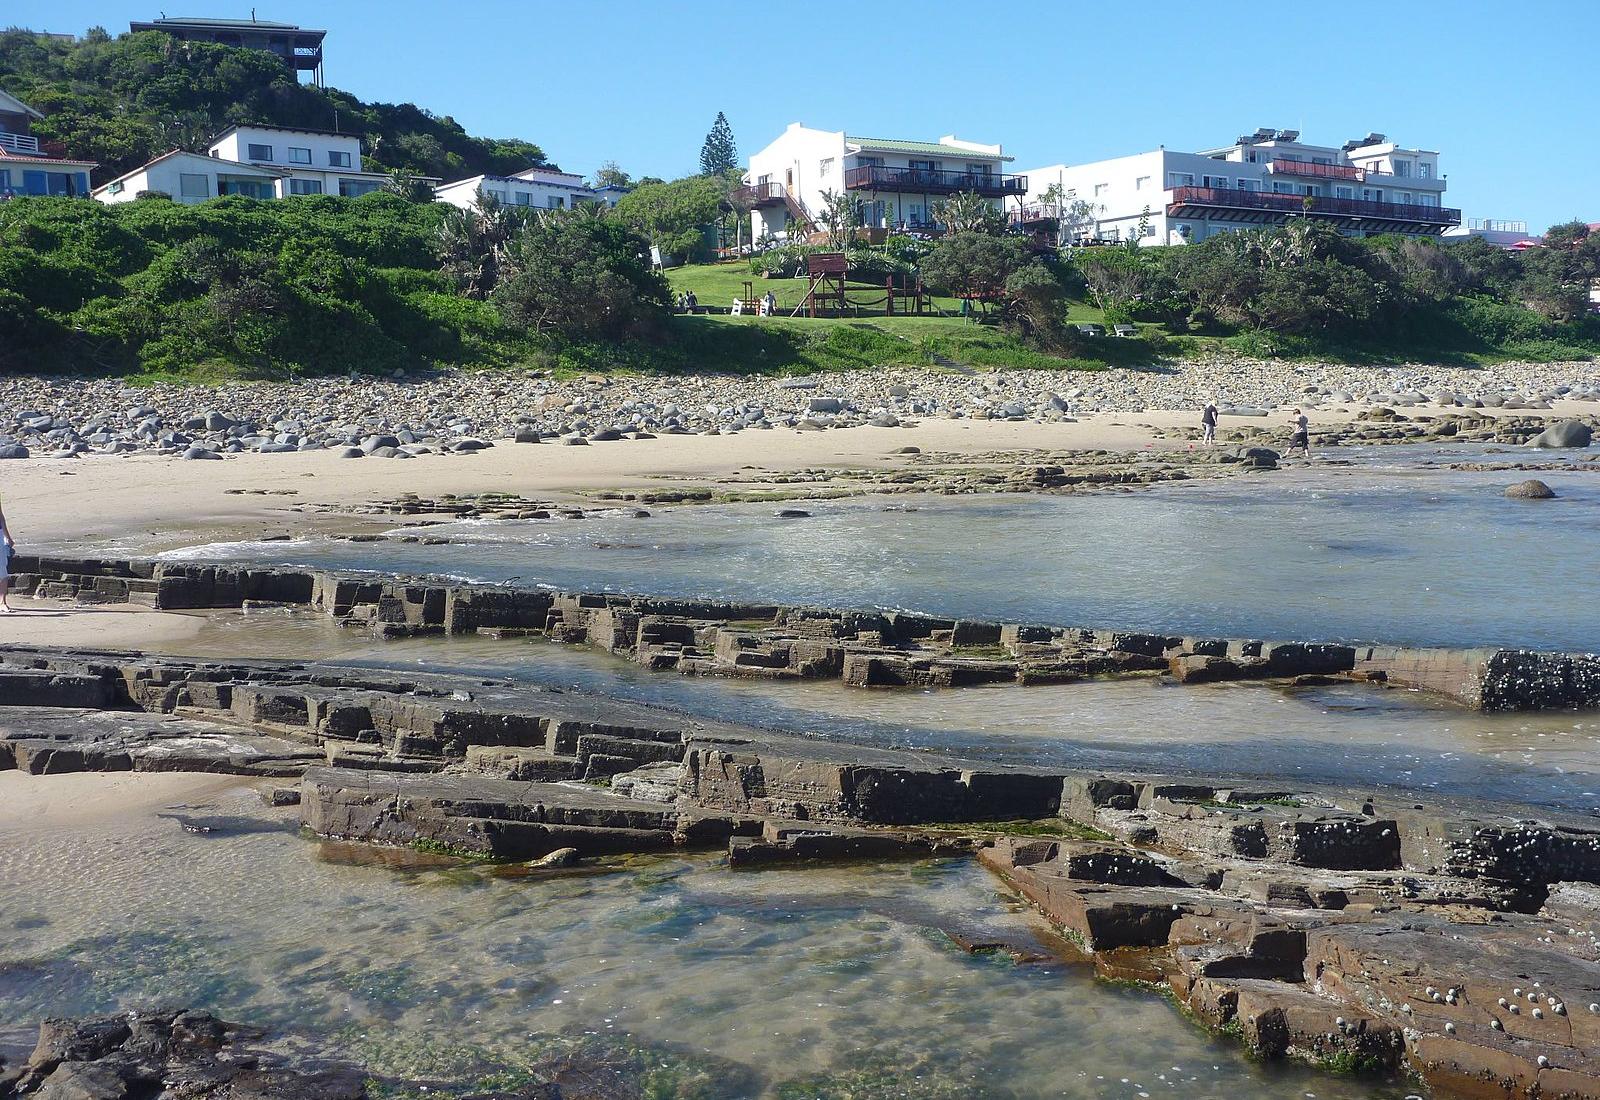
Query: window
point(5, 182)
point(1100, 189)
point(556, 202)
point(259, 152)
point(1321, 160)
point(980, 171)
point(1405, 196)
point(299, 156)
point(870, 162)
point(337, 159)
point(1372, 194)
point(1402, 167)
point(1216, 181)
point(1424, 170)
point(523, 198)
point(497, 196)
point(250, 189)
point(1344, 193)
point(1249, 184)
point(826, 167)
point(305, 187)
point(1180, 179)
point(1281, 188)
point(1148, 231)
point(1141, 182)
point(923, 165)
point(1426, 199)
point(195, 185)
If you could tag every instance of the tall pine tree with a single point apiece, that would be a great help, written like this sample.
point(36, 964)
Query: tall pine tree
point(719, 154)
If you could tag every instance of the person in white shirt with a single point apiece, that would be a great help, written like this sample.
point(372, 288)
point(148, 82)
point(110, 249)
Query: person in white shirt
point(1300, 433)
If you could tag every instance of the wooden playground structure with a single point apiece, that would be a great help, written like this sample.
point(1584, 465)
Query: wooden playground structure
point(827, 291)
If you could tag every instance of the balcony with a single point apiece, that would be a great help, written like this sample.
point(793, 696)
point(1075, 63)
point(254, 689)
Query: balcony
point(1315, 171)
point(926, 181)
point(1263, 206)
point(755, 196)
point(25, 144)
point(1033, 214)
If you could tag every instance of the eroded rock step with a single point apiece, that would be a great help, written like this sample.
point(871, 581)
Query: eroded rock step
point(1354, 928)
point(860, 648)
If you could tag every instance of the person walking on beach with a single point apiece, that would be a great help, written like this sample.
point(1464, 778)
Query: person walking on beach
point(7, 549)
point(1208, 424)
point(1300, 433)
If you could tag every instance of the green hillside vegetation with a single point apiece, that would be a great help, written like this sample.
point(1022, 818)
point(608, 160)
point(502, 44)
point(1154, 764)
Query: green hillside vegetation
point(124, 101)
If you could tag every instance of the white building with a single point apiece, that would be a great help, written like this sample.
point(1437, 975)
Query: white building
point(895, 183)
point(544, 188)
point(29, 166)
point(261, 162)
point(192, 178)
point(1500, 232)
point(1365, 187)
point(310, 162)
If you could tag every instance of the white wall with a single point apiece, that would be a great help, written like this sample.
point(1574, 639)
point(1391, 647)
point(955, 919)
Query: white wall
point(316, 147)
point(540, 194)
point(168, 175)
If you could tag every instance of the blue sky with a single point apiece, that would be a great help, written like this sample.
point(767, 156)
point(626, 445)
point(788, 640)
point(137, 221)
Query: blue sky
point(1503, 91)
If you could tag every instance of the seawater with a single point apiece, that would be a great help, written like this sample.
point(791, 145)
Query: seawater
point(1344, 734)
point(681, 977)
point(1399, 554)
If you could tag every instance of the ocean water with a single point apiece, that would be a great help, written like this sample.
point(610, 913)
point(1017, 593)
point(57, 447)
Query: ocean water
point(1371, 552)
point(673, 974)
point(1342, 735)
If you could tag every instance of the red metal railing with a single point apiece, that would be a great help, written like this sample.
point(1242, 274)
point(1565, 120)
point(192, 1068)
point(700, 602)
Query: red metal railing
point(1323, 171)
point(1318, 205)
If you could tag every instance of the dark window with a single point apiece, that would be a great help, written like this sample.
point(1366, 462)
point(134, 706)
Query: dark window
point(260, 152)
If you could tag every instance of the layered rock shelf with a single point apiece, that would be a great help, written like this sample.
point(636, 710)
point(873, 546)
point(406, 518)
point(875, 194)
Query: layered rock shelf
point(1356, 929)
point(859, 648)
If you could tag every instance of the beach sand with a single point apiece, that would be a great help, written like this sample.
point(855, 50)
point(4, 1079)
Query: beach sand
point(117, 626)
point(45, 802)
point(160, 501)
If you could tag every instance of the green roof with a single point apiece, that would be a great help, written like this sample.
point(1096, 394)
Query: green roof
point(933, 148)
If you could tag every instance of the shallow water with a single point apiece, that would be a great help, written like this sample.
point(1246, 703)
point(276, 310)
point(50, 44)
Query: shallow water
point(1379, 551)
point(692, 981)
point(1350, 734)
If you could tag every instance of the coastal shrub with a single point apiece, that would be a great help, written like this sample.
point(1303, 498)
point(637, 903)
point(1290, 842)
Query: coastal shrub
point(582, 276)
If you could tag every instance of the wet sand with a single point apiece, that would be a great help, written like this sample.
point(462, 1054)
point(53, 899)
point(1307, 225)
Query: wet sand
point(52, 622)
point(99, 500)
point(34, 802)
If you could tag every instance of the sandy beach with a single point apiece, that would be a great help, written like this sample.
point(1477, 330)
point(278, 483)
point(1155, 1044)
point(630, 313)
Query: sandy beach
point(83, 798)
point(99, 500)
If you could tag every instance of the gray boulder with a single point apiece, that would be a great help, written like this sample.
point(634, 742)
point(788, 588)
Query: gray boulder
point(13, 450)
point(199, 452)
point(1532, 489)
point(1568, 433)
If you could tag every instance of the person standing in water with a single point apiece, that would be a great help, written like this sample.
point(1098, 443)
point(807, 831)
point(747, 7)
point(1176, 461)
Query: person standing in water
point(7, 548)
point(1300, 433)
point(1208, 424)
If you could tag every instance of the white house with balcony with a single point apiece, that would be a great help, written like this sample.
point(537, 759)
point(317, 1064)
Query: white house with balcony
point(895, 183)
point(192, 178)
point(1366, 187)
point(29, 166)
point(310, 162)
point(260, 162)
point(541, 188)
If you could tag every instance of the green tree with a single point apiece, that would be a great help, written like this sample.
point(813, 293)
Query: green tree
point(969, 212)
point(610, 174)
point(672, 215)
point(1000, 274)
point(582, 275)
point(719, 154)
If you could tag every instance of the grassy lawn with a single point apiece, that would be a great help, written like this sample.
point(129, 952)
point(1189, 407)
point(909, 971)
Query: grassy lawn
point(719, 284)
point(786, 344)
